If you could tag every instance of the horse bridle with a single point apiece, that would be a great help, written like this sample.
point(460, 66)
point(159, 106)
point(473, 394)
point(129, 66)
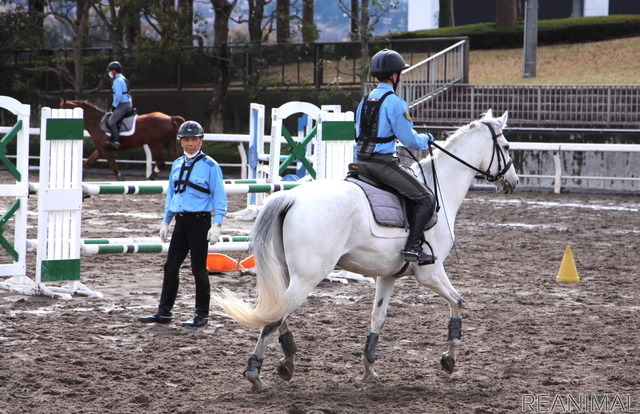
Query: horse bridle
point(502, 159)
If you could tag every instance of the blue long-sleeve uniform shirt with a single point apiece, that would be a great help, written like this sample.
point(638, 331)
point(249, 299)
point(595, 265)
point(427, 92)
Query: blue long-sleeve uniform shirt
point(120, 90)
point(394, 120)
point(206, 173)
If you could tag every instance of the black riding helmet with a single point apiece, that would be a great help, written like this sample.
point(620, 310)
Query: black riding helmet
point(190, 129)
point(115, 65)
point(385, 63)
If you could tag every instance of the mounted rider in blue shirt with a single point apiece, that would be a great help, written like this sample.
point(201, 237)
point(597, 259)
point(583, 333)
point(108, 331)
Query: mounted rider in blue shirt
point(122, 102)
point(381, 119)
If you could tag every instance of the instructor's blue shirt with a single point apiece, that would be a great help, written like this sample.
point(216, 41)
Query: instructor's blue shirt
point(206, 173)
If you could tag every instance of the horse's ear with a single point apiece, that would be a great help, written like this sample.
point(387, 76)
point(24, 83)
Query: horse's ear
point(62, 102)
point(489, 113)
point(503, 118)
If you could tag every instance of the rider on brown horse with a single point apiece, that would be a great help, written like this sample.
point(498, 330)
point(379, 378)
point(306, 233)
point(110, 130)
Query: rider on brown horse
point(122, 102)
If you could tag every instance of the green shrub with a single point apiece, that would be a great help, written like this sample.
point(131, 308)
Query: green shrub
point(555, 31)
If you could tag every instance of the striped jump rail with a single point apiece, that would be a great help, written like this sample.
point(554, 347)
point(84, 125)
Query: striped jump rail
point(161, 188)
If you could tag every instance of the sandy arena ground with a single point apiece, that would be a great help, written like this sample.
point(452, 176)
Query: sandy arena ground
point(527, 340)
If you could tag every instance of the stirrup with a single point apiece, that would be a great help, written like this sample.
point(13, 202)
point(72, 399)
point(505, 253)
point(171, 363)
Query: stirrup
point(420, 256)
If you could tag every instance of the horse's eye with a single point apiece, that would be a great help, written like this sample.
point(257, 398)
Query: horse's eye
point(506, 147)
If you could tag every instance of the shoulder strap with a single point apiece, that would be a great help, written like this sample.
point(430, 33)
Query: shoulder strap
point(181, 185)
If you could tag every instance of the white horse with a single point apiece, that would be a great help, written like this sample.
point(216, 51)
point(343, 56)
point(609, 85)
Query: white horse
point(301, 235)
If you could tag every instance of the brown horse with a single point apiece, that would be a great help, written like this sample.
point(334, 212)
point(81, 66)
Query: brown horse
point(156, 129)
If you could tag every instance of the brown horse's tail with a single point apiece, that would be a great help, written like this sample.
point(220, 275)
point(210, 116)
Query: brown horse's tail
point(177, 121)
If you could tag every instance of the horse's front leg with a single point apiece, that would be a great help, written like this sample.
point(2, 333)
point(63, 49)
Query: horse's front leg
point(438, 281)
point(384, 288)
point(289, 348)
point(254, 365)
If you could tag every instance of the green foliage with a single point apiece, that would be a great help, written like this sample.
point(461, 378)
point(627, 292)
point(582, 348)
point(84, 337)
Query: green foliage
point(16, 31)
point(555, 31)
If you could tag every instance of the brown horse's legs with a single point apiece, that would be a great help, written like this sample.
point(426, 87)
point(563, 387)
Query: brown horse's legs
point(158, 160)
point(111, 160)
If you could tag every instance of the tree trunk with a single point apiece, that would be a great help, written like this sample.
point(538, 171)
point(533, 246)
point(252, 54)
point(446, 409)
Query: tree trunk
point(36, 11)
point(185, 22)
point(309, 31)
point(354, 13)
point(81, 34)
point(364, 45)
point(220, 64)
point(506, 13)
point(283, 20)
point(446, 17)
point(254, 54)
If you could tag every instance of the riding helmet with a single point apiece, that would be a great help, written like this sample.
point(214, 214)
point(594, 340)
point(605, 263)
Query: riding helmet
point(385, 63)
point(190, 129)
point(115, 65)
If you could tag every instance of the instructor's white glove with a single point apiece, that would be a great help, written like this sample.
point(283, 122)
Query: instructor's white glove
point(214, 234)
point(164, 230)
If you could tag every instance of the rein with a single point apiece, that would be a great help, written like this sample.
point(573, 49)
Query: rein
point(496, 149)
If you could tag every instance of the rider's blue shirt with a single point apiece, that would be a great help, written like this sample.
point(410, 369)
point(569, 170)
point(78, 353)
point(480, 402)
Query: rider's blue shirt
point(120, 90)
point(394, 120)
point(206, 173)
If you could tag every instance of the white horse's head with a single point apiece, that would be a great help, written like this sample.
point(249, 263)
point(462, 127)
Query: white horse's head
point(497, 165)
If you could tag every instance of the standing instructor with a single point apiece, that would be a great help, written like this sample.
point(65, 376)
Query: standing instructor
point(196, 198)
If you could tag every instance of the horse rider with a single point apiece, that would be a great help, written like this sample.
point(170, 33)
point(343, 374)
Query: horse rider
point(381, 119)
point(122, 102)
point(196, 198)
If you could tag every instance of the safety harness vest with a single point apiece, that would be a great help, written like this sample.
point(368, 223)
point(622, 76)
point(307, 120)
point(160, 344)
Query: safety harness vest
point(369, 118)
point(181, 185)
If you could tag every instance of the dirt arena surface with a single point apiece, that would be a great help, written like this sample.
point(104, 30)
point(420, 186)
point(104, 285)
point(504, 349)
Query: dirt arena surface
point(528, 341)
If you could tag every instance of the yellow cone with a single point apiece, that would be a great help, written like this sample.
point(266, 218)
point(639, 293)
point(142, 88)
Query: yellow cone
point(568, 272)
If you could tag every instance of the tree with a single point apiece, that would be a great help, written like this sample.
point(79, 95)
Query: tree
point(283, 21)
point(366, 16)
point(220, 63)
point(309, 29)
point(446, 17)
point(506, 13)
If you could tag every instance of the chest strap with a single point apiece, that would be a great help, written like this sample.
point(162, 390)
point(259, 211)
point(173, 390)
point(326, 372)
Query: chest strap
point(181, 185)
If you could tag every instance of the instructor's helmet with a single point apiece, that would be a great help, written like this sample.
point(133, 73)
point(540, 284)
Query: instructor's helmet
point(190, 129)
point(385, 63)
point(115, 65)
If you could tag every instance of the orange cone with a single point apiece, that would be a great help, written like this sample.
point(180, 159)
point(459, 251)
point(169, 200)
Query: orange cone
point(568, 272)
point(217, 263)
point(249, 262)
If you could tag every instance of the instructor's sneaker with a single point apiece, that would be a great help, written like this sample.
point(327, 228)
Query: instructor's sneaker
point(155, 319)
point(197, 320)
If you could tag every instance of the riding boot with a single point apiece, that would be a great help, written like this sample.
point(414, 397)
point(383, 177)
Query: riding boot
point(422, 212)
point(114, 142)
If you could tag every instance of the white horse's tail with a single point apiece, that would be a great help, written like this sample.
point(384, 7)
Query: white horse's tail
point(271, 269)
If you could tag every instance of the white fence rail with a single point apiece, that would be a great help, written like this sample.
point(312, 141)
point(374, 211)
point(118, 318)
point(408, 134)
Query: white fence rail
point(557, 173)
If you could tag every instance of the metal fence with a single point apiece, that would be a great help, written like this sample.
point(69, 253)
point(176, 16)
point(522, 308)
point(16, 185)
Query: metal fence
point(541, 106)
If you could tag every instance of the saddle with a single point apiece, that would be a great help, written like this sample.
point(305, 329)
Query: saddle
point(389, 208)
point(127, 126)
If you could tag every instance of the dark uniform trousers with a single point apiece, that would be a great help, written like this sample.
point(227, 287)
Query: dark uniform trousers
point(387, 169)
point(189, 235)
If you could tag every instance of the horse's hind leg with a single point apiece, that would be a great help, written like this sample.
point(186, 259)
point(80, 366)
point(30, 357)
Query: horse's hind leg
point(438, 281)
point(285, 369)
point(156, 155)
point(384, 288)
point(254, 365)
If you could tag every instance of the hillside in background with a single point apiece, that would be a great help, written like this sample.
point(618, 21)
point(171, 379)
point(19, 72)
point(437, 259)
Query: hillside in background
point(615, 62)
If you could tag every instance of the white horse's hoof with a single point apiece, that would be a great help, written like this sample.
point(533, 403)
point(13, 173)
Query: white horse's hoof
point(447, 363)
point(256, 384)
point(370, 377)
